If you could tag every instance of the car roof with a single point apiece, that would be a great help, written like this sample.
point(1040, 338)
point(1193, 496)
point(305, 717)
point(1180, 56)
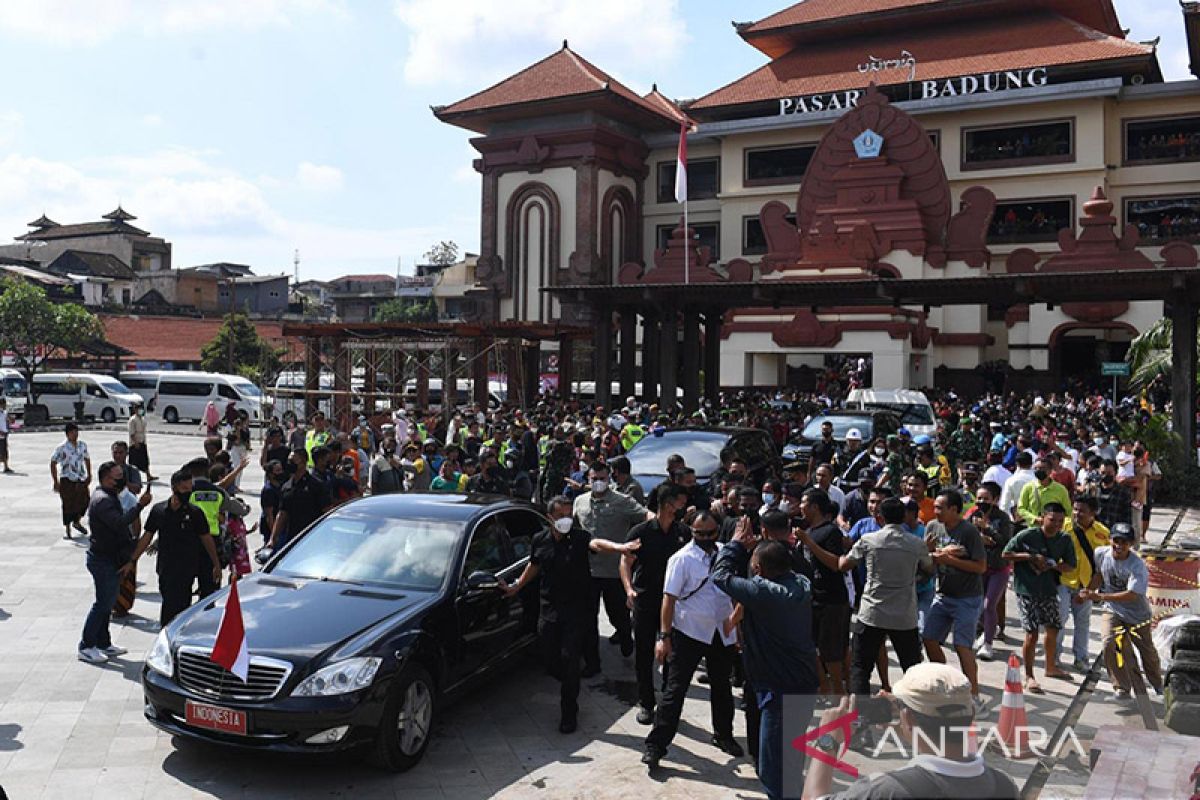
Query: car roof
point(888, 396)
point(711, 429)
point(442, 506)
point(855, 412)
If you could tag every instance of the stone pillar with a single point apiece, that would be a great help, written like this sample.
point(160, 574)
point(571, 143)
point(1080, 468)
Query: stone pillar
point(603, 366)
point(1183, 375)
point(650, 360)
point(422, 381)
point(341, 385)
point(512, 373)
point(479, 372)
point(712, 355)
point(585, 261)
point(627, 368)
point(690, 357)
point(312, 375)
point(668, 367)
point(531, 360)
point(566, 365)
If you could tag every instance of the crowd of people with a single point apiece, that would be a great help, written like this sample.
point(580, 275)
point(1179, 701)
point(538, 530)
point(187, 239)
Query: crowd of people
point(780, 581)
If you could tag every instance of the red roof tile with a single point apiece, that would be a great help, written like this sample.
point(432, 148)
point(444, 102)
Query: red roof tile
point(565, 74)
point(809, 11)
point(178, 338)
point(968, 48)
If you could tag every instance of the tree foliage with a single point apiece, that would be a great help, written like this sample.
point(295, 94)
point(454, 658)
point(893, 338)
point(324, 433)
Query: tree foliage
point(239, 349)
point(442, 254)
point(404, 309)
point(1150, 354)
point(33, 329)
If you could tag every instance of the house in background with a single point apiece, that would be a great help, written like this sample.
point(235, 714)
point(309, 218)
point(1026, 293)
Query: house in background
point(450, 287)
point(255, 294)
point(104, 278)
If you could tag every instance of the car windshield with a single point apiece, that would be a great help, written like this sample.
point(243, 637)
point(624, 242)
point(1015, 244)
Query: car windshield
point(840, 425)
point(909, 413)
point(402, 553)
point(247, 389)
point(700, 450)
point(14, 386)
point(113, 386)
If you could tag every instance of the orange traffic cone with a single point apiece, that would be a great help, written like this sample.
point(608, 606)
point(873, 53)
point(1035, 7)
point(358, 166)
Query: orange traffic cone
point(1011, 731)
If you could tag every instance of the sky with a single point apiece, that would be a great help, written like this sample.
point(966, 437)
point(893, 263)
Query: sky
point(247, 130)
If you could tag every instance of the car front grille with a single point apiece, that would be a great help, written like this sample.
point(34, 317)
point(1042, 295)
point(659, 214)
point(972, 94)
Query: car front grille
point(203, 677)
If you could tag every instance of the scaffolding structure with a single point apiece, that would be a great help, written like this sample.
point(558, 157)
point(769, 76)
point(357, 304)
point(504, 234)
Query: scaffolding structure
point(375, 361)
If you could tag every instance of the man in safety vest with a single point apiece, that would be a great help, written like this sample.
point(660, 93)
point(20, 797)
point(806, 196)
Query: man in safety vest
point(209, 498)
point(318, 436)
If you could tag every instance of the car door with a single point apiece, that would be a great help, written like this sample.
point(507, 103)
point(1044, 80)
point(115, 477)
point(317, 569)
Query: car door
point(522, 525)
point(486, 625)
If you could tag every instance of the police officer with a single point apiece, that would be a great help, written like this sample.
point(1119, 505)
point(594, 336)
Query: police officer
point(208, 497)
point(560, 557)
point(183, 541)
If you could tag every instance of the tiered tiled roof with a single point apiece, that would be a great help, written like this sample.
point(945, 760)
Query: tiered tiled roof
point(565, 79)
point(825, 20)
point(968, 48)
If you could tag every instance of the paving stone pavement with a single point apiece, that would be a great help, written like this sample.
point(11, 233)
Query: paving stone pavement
point(72, 730)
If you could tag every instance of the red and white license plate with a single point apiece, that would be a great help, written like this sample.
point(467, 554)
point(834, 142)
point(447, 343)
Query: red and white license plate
point(215, 718)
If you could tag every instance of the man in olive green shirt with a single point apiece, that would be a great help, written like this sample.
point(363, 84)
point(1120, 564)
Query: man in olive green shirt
point(1038, 493)
point(606, 513)
point(1041, 554)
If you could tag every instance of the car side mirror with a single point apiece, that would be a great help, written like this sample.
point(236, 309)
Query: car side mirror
point(481, 581)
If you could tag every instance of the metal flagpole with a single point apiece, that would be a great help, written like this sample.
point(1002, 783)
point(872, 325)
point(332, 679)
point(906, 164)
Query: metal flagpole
point(687, 251)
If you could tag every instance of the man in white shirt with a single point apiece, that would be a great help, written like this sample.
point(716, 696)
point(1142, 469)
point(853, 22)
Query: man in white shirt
point(692, 626)
point(824, 481)
point(996, 472)
point(1011, 494)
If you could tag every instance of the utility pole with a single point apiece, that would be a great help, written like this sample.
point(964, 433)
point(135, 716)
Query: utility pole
point(229, 281)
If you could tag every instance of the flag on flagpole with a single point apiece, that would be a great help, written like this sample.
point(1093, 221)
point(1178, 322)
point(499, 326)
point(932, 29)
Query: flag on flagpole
point(230, 650)
point(681, 166)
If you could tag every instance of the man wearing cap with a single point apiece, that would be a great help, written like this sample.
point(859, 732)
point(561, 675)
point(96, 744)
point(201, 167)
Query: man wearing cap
point(1087, 534)
point(1120, 581)
point(853, 459)
point(934, 704)
point(1040, 555)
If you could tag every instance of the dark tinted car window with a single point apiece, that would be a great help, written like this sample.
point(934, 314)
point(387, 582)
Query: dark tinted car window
point(486, 552)
point(521, 527)
point(701, 450)
point(841, 424)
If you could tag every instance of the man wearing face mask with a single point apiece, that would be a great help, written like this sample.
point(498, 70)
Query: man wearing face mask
point(1040, 492)
point(1116, 501)
point(183, 539)
point(995, 529)
point(107, 560)
point(691, 627)
point(606, 514)
point(139, 455)
point(643, 574)
point(490, 479)
point(560, 556)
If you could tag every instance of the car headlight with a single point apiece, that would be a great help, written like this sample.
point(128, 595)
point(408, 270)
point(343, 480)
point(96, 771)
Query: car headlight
point(339, 678)
point(159, 659)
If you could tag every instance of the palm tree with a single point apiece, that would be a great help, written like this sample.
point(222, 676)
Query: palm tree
point(1150, 354)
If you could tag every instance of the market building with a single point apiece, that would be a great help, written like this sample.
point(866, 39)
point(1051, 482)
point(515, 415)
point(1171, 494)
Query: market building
point(917, 140)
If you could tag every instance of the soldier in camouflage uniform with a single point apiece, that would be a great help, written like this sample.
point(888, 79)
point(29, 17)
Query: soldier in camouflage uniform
point(896, 466)
point(560, 458)
point(966, 445)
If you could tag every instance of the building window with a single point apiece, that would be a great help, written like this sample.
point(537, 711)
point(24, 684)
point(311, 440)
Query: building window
point(1036, 220)
point(936, 138)
point(754, 241)
point(1162, 141)
point(708, 234)
point(703, 175)
point(274, 294)
point(1019, 145)
point(1162, 219)
point(768, 166)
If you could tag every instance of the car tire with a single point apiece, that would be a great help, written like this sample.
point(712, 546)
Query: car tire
point(406, 724)
point(108, 416)
point(171, 415)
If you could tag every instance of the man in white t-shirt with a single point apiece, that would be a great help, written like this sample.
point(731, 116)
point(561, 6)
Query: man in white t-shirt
point(1011, 493)
point(996, 472)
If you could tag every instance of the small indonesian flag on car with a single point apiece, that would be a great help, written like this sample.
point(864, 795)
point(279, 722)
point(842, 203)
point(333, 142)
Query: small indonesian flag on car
point(230, 650)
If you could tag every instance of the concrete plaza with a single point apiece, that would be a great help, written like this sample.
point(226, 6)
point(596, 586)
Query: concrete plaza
point(72, 730)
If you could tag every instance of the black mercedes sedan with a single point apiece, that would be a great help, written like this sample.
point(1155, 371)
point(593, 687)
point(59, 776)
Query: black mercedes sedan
point(358, 630)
